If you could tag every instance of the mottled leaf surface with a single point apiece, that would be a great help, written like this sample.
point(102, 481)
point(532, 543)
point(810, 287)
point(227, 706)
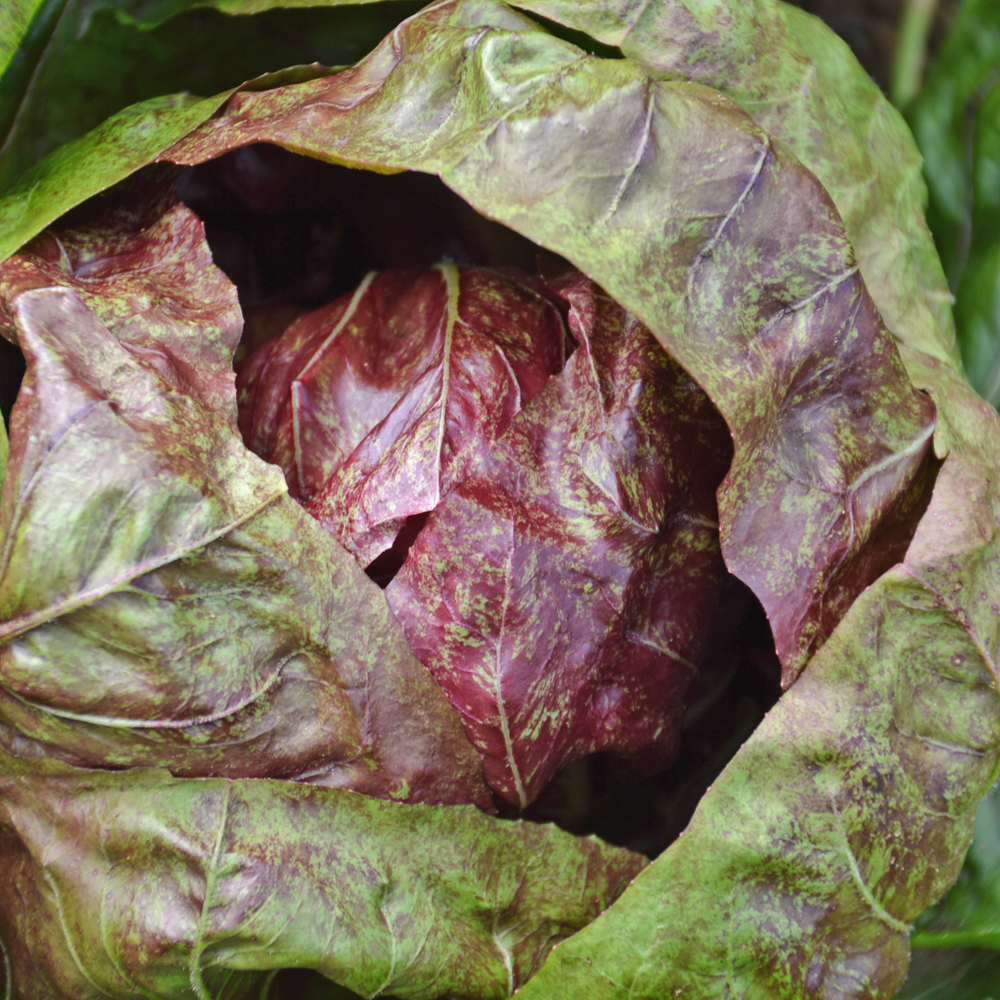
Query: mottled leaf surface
point(378, 405)
point(849, 809)
point(561, 593)
point(847, 812)
point(802, 84)
point(174, 888)
point(138, 260)
point(752, 246)
point(111, 152)
point(194, 607)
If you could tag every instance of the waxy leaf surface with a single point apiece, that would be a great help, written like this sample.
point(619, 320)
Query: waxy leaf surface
point(377, 405)
point(560, 594)
point(848, 810)
point(169, 888)
point(194, 608)
point(826, 426)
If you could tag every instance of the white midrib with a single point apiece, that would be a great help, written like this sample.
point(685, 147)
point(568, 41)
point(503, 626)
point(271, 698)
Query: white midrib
point(450, 274)
point(497, 668)
point(296, 388)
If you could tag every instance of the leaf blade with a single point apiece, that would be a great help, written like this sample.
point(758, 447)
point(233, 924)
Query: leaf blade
point(346, 892)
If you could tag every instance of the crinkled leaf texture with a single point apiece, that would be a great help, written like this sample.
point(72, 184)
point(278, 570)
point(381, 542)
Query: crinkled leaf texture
point(196, 617)
point(720, 223)
point(831, 460)
point(561, 593)
point(562, 586)
point(166, 887)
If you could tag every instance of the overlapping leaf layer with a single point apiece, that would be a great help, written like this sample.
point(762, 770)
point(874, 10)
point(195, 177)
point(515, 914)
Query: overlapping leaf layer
point(198, 619)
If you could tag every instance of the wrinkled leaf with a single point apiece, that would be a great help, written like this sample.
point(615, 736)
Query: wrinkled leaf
point(162, 887)
point(802, 85)
point(214, 612)
point(840, 442)
point(808, 814)
point(849, 809)
point(560, 594)
point(83, 62)
point(137, 259)
point(377, 405)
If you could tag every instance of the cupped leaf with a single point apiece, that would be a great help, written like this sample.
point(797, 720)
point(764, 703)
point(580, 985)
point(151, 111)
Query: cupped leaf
point(849, 809)
point(802, 84)
point(180, 888)
point(825, 422)
point(377, 405)
point(195, 618)
point(560, 594)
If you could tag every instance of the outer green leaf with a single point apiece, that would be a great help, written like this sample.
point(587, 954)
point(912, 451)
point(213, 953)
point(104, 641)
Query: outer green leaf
point(119, 54)
point(34, 35)
point(16, 19)
point(196, 617)
point(162, 887)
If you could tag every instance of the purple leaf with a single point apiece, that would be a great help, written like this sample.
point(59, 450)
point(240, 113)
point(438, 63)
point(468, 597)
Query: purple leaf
point(377, 405)
point(560, 594)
